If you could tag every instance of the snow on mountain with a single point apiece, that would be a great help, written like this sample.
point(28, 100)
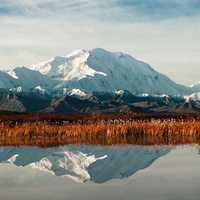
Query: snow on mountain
point(75, 92)
point(72, 67)
point(25, 78)
point(144, 95)
point(17, 89)
point(123, 72)
point(7, 81)
point(40, 89)
point(13, 74)
point(30, 79)
point(193, 97)
point(119, 92)
point(93, 70)
point(84, 163)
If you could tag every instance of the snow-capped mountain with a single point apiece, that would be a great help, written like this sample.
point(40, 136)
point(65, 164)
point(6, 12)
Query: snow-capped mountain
point(93, 70)
point(116, 71)
point(84, 163)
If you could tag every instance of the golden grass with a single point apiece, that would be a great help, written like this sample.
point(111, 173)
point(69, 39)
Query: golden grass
point(168, 131)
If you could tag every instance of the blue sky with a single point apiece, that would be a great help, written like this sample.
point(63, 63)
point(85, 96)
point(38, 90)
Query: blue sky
point(164, 33)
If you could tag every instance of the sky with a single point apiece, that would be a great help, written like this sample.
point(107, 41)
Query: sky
point(165, 34)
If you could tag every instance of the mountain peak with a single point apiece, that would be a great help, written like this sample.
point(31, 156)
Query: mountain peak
point(71, 67)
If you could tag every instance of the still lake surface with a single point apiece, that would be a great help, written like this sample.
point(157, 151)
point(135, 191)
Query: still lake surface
point(90, 172)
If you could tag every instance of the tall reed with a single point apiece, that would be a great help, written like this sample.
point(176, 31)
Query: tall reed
point(168, 131)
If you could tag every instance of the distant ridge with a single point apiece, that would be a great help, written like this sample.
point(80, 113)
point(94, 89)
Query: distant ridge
point(77, 101)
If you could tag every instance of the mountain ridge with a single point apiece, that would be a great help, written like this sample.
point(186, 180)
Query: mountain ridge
point(77, 101)
point(93, 70)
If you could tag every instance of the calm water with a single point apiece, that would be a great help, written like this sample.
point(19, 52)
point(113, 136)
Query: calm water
point(100, 172)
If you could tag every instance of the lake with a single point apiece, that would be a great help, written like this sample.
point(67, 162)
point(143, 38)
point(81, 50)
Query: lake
point(88, 172)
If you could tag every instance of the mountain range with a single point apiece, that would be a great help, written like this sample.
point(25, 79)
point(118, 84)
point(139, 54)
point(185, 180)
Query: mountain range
point(92, 70)
point(94, 81)
point(77, 101)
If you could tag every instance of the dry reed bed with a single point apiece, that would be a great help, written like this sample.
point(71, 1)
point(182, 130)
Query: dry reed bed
point(152, 128)
point(57, 141)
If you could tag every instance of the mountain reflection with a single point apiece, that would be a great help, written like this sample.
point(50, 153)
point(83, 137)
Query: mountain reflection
point(83, 163)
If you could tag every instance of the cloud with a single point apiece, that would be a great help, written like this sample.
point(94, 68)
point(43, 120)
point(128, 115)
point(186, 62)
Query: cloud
point(125, 10)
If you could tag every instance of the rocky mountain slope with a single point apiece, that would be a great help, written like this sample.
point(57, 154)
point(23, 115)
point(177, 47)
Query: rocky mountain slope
point(77, 101)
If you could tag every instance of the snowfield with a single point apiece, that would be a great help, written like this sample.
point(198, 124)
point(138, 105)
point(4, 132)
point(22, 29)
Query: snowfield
point(72, 67)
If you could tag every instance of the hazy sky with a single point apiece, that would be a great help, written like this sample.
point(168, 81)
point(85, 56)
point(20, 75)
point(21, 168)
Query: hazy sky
point(164, 33)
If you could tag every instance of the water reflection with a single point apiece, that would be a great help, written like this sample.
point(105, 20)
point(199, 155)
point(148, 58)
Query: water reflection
point(85, 163)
